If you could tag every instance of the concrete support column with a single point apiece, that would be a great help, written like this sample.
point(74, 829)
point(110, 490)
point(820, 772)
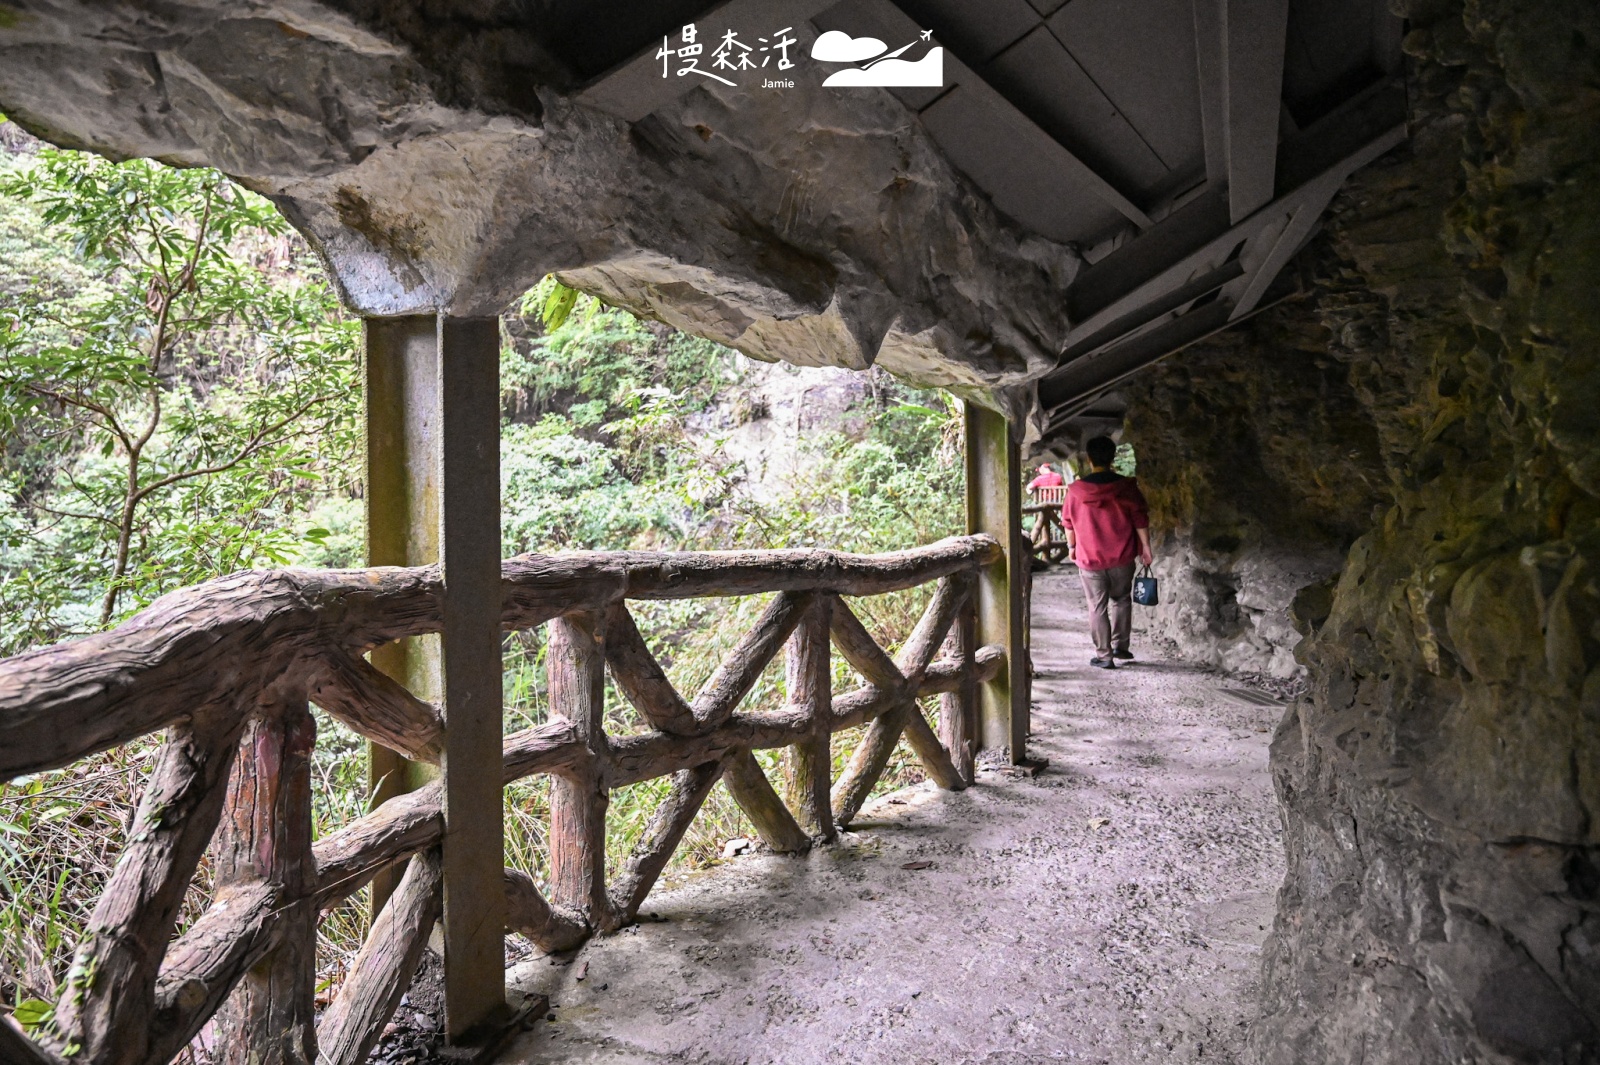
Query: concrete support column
point(994, 506)
point(433, 495)
point(402, 495)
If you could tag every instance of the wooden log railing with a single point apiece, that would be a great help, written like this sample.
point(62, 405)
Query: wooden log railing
point(228, 668)
point(1045, 509)
point(1053, 495)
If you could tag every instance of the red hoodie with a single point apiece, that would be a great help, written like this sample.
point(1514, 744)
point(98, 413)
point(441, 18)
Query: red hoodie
point(1104, 510)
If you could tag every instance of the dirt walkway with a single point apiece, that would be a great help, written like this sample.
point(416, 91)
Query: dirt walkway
point(1110, 910)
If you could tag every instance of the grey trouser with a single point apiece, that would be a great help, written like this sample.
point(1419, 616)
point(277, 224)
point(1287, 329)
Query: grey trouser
point(1113, 589)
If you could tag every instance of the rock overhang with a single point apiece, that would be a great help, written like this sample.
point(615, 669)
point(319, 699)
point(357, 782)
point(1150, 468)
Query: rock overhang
point(811, 225)
point(444, 157)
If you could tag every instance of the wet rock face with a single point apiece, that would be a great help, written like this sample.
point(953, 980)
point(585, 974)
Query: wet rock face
point(1441, 782)
point(436, 156)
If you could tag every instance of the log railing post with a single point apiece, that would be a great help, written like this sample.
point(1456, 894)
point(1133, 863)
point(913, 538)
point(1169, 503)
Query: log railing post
point(771, 819)
point(105, 1015)
point(266, 835)
point(810, 686)
point(660, 840)
point(994, 506)
point(900, 679)
point(958, 710)
point(383, 970)
point(575, 661)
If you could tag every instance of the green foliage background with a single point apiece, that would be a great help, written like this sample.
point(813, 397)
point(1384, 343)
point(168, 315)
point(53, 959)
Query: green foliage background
point(175, 388)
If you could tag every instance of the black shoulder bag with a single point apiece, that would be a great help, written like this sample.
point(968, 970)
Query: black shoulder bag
point(1145, 591)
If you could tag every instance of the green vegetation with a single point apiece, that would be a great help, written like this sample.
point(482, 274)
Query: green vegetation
point(179, 398)
point(175, 385)
point(1126, 462)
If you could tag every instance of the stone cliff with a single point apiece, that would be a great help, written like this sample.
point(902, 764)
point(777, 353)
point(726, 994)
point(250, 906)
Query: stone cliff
point(1428, 416)
point(1261, 467)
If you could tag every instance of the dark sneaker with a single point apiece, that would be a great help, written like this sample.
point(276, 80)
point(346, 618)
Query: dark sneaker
point(1102, 663)
point(1124, 654)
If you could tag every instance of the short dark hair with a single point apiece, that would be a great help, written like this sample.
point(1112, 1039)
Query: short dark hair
point(1101, 450)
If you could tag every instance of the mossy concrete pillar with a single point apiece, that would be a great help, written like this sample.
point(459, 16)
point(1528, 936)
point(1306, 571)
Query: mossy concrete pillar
point(402, 496)
point(433, 496)
point(994, 506)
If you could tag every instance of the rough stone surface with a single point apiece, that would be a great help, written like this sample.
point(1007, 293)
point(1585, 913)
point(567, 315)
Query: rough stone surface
point(1109, 910)
point(1261, 467)
point(442, 164)
point(1440, 784)
point(775, 411)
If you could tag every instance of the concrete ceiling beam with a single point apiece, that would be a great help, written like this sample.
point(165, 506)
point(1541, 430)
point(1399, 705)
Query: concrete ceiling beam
point(1253, 34)
point(1198, 238)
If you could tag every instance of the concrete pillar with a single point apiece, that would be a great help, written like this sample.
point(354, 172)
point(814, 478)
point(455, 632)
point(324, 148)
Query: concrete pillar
point(433, 495)
point(994, 506)
point(402, 495)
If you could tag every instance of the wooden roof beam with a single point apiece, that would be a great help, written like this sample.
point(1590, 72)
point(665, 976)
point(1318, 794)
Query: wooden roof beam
point(1202, 285)
point(1380, 108)
point(1080, 379)
point(1211, 64)
point(1075, 170)
point(1070, 395)
point(1374, 121)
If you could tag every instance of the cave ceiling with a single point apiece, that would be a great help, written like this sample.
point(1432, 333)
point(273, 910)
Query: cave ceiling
point(1086, 186)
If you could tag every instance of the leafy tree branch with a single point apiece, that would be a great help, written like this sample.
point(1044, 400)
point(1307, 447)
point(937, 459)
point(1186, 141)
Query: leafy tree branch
point(195, 359)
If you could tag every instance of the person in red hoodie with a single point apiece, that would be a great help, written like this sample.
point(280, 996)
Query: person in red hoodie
point(1108, 526)
point(1047, 478)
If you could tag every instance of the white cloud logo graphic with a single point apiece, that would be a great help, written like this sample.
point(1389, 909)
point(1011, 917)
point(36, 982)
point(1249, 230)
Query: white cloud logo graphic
point(884, 71)
point(837, 47)
point(927, 72)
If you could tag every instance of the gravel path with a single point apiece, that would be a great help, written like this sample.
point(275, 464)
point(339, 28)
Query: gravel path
point(1109, 910)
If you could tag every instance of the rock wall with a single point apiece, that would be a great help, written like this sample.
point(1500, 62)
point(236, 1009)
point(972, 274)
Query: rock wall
point(1261, 467)
point(1441, 781)
point(764, 423)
